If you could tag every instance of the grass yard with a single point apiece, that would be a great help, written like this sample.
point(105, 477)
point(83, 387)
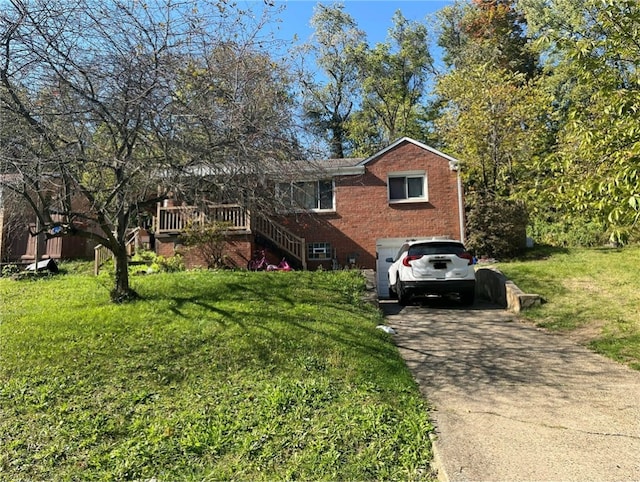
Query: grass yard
point(210, 376)
point(592, 295)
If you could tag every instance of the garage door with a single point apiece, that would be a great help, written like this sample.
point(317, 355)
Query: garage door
point(385, 248)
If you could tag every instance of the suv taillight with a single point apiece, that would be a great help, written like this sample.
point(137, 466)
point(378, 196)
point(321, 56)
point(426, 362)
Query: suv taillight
point(408, 259)
point(467, 256)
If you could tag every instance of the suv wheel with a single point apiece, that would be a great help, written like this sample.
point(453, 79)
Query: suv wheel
point(392, 292)
point(402, 295)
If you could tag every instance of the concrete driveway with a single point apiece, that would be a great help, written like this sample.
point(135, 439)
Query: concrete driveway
point(512, 402)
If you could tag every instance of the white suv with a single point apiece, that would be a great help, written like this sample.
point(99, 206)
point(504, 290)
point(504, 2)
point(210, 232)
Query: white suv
point(432, 267)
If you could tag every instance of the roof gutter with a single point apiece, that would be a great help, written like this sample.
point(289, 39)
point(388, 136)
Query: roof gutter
point(346, 171)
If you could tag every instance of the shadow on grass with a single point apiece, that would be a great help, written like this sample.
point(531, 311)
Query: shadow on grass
point(541, 252)
point(229, 291)
point(625, 349)
point(272, 316)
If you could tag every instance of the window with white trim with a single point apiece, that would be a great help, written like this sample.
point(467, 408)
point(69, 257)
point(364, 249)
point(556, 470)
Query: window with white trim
point(319, 251)
point(309, 195)
point(407, 187)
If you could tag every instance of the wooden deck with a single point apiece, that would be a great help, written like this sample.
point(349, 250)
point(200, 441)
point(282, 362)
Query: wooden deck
point(171, 220)
point(174, 219)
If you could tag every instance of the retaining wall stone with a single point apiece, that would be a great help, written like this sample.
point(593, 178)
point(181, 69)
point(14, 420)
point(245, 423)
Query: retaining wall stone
point(493, 285)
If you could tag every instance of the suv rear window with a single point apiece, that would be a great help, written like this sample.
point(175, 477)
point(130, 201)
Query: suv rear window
point(435, 248)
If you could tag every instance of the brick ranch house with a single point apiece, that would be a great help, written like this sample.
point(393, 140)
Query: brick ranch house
point(349, 213)
point(356, 212)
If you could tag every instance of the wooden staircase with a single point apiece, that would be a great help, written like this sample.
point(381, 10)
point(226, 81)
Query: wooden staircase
point(282, 238)
point(101, 253)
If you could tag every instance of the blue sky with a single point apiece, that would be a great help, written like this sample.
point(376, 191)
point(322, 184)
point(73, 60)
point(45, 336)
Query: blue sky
point(372, 16)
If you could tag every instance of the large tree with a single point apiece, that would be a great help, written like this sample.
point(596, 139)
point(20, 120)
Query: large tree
point(394, 76)
point(496, 122)
point(593, 52)
point(494, 115)
point(488, 32)
point(331, 94)
point(119, 104)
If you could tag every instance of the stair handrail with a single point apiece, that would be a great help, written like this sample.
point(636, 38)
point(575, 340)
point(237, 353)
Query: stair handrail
point(283, 238)
point(132, 242)
point(101, 253)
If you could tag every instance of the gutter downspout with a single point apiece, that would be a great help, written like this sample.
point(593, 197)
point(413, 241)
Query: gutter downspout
point(460, 206)
point(455, 166)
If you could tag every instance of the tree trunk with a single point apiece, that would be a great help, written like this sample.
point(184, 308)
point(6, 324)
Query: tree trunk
point(122, 292)
point(337, 137)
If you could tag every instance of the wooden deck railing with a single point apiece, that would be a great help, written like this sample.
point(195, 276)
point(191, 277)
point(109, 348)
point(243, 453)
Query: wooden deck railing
point(285, 239)
point(173, 219)
point(237, 216)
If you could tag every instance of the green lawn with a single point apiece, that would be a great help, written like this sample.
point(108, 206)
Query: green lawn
point(592, 295)
point(210, 376)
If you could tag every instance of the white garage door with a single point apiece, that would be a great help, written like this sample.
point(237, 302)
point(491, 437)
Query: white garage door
point(385, 248)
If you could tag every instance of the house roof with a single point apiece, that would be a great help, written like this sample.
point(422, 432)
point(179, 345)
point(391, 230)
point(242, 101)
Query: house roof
point(369, 159)
point(344, 167)
point(336, 167)
point(356, 165)
point(342, 163)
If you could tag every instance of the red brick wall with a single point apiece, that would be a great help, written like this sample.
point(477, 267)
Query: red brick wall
point(239, 249)
point(363, 213)
point(165, 246)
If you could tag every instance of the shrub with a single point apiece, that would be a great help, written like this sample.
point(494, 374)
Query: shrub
point(9, 269)
point(496, 227)
point(574, 231)
point(157, 263)
point(208, 240)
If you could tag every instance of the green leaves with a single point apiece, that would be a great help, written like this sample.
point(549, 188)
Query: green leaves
point(592, 56)
point(394, 76)
point(495, 121)
point(372, 95)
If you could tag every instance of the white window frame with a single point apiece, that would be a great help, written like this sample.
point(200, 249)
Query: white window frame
point(408, 175)
point(287, 189)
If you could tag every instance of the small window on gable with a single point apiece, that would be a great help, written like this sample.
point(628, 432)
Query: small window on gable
point(407, 187)
point(308, 195)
